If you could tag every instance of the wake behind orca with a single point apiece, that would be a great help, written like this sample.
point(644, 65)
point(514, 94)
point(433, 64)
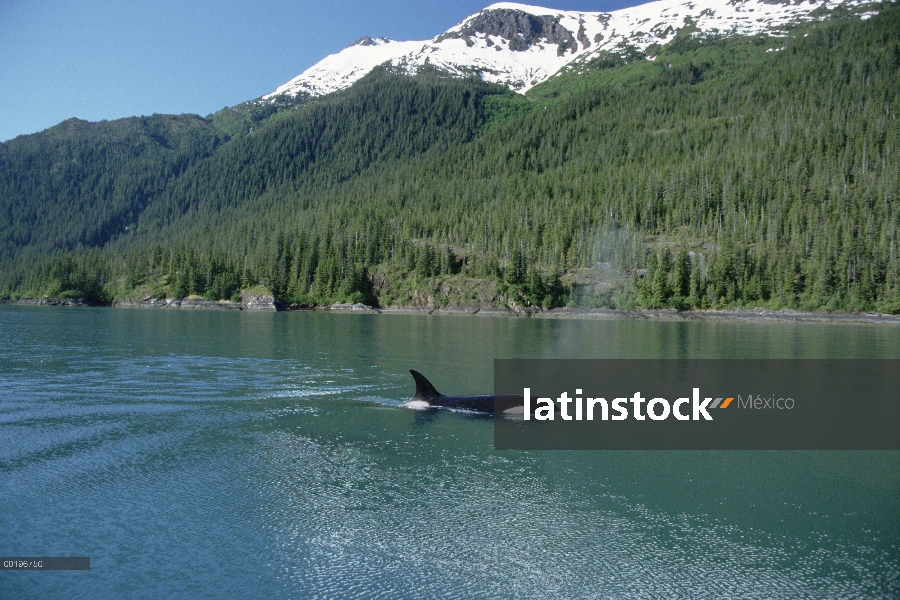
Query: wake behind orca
point(428, 397)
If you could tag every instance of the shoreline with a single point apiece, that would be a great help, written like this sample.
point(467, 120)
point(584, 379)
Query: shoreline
point(785, 315)
point(268, 304)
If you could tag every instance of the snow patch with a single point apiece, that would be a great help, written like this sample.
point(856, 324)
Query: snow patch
point(490, 57)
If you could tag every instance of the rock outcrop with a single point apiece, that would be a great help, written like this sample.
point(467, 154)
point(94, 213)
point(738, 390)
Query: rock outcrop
point(249, 301)
point(520, 29)
point(45, 301)
point(264, 301)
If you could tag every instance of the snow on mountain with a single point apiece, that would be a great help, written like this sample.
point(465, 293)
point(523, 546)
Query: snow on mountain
point(519, 46)
point(341, 70)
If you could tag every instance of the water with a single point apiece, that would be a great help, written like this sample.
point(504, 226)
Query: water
point(236, 455)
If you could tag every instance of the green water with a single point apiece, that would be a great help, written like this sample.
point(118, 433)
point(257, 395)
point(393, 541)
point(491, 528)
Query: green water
point(237, 455)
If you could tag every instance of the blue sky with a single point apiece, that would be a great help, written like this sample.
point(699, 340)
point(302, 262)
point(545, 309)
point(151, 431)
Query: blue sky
point(107, 59)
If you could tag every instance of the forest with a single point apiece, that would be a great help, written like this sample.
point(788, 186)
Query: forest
point(726, 171)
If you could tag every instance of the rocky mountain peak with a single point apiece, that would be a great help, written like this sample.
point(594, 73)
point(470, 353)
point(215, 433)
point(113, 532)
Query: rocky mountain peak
point(520, 29)
point(369, 41)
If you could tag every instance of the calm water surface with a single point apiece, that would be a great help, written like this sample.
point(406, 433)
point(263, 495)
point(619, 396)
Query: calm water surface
point(237, 455)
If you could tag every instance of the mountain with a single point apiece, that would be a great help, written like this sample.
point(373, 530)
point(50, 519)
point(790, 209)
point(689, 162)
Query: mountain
point(712, 171)
point(86, 183)
point(520, 46)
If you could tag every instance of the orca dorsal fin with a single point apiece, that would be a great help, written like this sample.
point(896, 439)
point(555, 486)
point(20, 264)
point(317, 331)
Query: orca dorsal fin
point(424, 389)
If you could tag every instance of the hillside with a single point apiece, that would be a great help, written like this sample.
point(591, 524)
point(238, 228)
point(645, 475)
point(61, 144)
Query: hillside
point(729, 170)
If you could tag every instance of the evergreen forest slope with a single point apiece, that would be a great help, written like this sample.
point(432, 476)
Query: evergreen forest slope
point(726, 171)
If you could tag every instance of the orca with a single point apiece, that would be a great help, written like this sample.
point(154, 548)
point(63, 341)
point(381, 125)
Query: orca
point(428, 397)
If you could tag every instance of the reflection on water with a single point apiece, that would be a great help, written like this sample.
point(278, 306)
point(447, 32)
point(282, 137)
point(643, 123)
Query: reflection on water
point(265, 455)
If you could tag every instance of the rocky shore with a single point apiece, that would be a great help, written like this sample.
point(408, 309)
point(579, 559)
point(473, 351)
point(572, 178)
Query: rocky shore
point(248, 301)
point(266, 302)
point(52, 302)
point(733, 314)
